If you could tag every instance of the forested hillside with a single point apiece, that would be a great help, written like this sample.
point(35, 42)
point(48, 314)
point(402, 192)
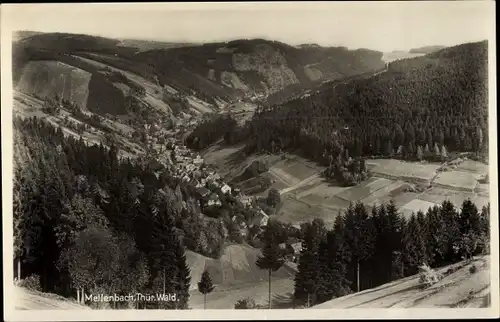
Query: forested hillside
point(75, 204)
point(367, 249)
point(260, 66)
point(420, 107)
point(213, 72)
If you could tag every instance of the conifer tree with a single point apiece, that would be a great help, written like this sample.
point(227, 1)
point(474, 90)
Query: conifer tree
point(205, 286)
point(359, 237)
point(271, 258)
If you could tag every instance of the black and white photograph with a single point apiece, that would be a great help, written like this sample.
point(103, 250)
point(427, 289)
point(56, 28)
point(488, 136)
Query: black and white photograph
point(294, 160)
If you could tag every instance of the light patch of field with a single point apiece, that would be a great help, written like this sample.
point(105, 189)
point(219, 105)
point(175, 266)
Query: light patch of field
point(312, 73)
point(232, 80)
point(384, 194)
point(48, 78)
point(124, 88)
point(154, 92)
point(299, 167)
point(417, 204)
point(364, 189)
point(473, 166)
point(455, 290)
point(196, 104)
point(236, 266)
point(298, 211)
point(227, 297)
point(403, 170)
point(284, 176)
point(457, 179)
point(25, 299)
point(438, 195)
point(323, 189)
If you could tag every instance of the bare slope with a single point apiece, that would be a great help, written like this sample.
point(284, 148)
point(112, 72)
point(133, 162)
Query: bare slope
point(236, 266)
point(458, 289)
point(50, 78)
point(25, 299)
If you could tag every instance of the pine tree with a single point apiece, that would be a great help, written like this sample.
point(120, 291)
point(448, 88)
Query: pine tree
point(205, 286)
point(359, 238)
point(308, 275)
point(183, 277)
point(436, 241)
point(450, 230)
point(271, 258)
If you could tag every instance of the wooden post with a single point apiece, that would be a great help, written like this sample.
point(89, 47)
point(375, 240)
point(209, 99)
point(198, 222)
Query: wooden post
point(358, 275)
point(269, 288)
point(19, 268)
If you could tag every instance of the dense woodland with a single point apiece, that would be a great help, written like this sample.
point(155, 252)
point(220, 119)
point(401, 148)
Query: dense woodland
point(75, 202)
point(367, 248)
point(440, 100)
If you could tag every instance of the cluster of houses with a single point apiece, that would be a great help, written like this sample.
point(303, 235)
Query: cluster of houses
point(190, 167)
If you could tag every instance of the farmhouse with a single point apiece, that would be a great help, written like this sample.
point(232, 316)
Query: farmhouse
point(264, 218)
point(203, 192)
point(225, 189)
point(213, 200)
point(245, 200)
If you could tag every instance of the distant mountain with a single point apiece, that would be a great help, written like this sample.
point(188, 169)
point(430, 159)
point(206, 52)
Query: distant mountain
point(22, 34)
point(426, 49)
point(216, 73)
point(398, 54)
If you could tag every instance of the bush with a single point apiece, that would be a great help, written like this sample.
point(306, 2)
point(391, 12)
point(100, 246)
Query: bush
point(31, 282)
point(428, 276)
point(245, 304)
point(473, 269)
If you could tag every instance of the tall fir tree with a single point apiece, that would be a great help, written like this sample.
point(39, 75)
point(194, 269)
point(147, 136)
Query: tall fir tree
point(205, 286)
point(271, 258)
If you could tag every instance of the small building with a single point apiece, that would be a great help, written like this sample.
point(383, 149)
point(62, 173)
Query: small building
point(213, 200)
point(203, 192)
point(225, 189)
point(264, 218)
point(245, 200)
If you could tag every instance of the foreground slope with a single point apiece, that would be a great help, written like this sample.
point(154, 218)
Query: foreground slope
point(26, 299)
point(458, 289)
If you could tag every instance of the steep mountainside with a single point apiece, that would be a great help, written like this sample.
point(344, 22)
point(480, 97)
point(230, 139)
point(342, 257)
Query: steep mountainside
point(395, 112)
point(249, 67)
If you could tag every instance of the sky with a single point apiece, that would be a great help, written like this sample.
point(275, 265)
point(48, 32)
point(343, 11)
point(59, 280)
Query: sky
point(384, 26)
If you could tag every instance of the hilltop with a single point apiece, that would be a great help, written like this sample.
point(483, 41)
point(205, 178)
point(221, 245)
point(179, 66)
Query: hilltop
point(426, 49)
point(215, 73)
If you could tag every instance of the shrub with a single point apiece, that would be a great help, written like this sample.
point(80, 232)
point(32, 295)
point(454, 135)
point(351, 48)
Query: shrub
point(473, 269)
point(428, 276)
point(245, 304)
point(31, 282)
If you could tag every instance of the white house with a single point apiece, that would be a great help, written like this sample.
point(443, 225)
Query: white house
point(213, 200)
point(264, 218)
point(225, 189)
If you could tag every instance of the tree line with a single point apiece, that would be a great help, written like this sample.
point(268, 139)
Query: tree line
point(86, 219)
point(366, 248)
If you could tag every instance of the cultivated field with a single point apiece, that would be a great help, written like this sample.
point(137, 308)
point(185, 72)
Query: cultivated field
point(415, 205)
point(396, 169)
point(458, 180)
